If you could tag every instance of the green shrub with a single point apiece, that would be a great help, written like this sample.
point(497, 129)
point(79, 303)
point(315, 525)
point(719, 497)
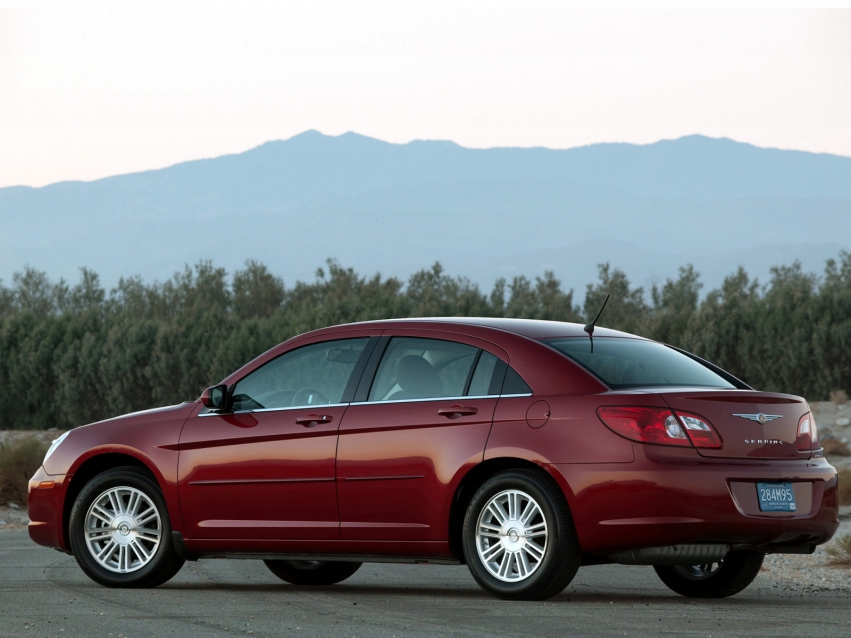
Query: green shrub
point(71, 355)
point(835, 447)
point(839, 397)
point(840, 551)
point(18, 462)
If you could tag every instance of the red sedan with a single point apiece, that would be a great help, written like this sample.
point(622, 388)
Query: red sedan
point(522, 448)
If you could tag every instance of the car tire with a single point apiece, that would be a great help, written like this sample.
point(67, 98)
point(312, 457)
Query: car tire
point(504, 522)
point(719, 580)
point(311, 572)
point(119, 530)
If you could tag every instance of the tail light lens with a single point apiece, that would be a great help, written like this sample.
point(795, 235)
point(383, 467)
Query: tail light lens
point(701, 433)
point(660, 426)
point(645, 425)
point(815, 441)
point(807, 434)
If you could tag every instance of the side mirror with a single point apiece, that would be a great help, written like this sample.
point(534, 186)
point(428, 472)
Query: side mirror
point(215, 397)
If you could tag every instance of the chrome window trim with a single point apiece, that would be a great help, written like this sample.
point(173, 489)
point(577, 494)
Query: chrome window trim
point(432, 399)
point(317, 406)
point(342, 405)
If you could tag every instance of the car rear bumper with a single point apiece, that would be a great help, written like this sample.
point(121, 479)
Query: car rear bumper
point(670, 496)
point(45, 505)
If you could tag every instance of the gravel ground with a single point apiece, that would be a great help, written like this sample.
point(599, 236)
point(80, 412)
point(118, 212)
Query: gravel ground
point(809, 574)
point(44, 593)
point(13, 517)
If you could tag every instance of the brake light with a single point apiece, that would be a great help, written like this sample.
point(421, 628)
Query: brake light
point(644, 424)
point(815, 441)
point(701, 433)
point(807, 434)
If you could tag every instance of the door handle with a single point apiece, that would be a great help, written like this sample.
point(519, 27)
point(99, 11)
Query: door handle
point(454, 411)
point(313, 419)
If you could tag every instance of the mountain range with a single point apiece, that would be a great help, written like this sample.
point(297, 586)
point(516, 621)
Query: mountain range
point(483, 213)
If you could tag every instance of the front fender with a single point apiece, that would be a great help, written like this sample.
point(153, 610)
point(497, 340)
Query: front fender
point(149, 438)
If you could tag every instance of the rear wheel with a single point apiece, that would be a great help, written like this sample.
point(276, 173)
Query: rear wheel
point(120, 533)
point(716, 580)
point(518, 536)
point(311, 572)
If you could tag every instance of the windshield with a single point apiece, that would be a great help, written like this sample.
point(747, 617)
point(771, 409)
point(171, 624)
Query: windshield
point(635, 363)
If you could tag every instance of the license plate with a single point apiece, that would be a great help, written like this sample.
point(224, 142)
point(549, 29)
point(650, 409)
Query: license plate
point(776, 497)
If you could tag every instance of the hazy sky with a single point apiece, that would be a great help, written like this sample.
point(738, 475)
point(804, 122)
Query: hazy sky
point(86, 93)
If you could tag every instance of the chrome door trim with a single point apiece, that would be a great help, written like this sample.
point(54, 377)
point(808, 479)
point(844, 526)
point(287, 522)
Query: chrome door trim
point(429, 399)
point(318, 407)
point(321, 406)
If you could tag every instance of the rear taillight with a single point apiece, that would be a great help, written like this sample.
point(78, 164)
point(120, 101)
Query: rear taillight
point(645, 425)
point(660, 426)
point(815, 441)
point(807, 434)
point(701, 433)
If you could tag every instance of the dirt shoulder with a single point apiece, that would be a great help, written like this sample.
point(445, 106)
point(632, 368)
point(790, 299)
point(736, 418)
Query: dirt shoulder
point(13, 517)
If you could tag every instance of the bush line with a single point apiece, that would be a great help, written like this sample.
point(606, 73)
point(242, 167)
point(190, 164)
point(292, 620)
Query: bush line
point(71, 355)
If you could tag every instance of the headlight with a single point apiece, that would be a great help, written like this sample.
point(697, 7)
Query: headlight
point(54, 445)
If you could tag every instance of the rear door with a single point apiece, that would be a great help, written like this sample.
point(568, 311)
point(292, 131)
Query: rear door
point(420, 421)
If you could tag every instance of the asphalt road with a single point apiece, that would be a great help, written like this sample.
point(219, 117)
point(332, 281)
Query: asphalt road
point(43, 593)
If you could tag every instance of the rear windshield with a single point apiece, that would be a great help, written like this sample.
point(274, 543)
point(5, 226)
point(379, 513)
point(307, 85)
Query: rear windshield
point(634, 363)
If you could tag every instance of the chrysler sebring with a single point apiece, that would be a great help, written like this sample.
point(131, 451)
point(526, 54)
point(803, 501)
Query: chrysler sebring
point(523, 449)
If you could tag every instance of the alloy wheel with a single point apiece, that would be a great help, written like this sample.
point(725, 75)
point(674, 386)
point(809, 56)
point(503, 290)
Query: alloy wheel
point(699, 572)
point(511, 536)
point(123, 529)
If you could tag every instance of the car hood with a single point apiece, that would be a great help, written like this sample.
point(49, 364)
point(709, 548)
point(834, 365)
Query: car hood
point(145, 415)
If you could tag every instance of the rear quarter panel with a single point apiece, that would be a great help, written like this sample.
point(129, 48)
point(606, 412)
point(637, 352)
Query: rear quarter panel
point(573, 433)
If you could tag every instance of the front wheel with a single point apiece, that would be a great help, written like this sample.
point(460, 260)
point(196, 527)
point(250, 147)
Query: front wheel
point(519, 540)
point(120, 532)
point(311, 572)
point(723, 578)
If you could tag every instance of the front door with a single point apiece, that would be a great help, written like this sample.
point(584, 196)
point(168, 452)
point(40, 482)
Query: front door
point(422, 425)
point(266, 470)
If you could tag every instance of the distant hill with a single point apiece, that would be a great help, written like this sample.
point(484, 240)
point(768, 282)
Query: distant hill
point(491, 213)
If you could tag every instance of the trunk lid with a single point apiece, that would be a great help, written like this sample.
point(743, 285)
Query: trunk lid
point(735, 415)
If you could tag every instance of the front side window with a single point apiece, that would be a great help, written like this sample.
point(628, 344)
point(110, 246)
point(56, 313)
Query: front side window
point(312, 375)
point(635, 363)
point(414, 368)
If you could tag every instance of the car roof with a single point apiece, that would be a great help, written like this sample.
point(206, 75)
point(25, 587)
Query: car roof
point(531, 328)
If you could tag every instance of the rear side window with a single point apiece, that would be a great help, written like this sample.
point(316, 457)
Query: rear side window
point(481, 382)
point(506, 381)
point(414, 368)
point(635, 363)
point(514, 383)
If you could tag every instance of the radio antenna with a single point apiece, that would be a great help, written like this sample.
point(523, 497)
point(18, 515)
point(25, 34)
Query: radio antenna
point(589, 328)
